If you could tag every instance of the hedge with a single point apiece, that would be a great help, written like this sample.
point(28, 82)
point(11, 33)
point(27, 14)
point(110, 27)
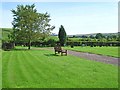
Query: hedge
point(69, 43)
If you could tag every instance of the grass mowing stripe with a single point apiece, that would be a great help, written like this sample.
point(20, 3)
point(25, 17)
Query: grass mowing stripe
point(52, 74)
point(41, 64)
point(14, 69)
point(9, 71)
point(37, 75)
point(42, 69)
point(5, 54)
point(45, 69)
point(24, 76)
point(25, 67)
point(83, 66)
point(5, 62)
point(77, 69)
point(34, 69)
point(68, 67)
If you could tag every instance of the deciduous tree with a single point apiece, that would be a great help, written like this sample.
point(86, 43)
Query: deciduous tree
point(29, 25)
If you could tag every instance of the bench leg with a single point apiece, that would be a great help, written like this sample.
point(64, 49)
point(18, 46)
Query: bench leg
point(61, 54)
point(66, 53)
point(55, 53)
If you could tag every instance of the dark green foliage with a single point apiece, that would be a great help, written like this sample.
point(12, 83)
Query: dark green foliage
point(91, 36)
point(119, 36)
point(29, 25)
point(92, 43)
point(72, 45)
point(24, 23)
point(62, 36)
point(7, 46)
point(51, 42)
point(84, 36)
point(99, 36)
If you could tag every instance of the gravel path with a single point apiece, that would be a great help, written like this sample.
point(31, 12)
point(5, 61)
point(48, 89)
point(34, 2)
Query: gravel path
point(89, 56)
point(95, 57)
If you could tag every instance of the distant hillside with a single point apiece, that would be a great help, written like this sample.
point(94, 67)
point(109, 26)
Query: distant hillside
point(0, 33)
point(5, 32)
point(93, 34)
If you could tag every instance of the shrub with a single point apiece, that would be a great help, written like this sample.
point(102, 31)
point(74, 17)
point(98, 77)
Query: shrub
point(7, 46)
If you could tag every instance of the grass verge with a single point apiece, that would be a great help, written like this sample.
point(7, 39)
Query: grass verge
point(43, 69)
point(107, 51)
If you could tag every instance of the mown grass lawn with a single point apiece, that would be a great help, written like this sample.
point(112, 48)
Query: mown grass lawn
point(109, 51)
point(43, 69)
point(0, 69)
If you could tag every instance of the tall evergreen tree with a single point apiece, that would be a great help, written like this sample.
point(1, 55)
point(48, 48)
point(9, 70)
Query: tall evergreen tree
point(62, 35)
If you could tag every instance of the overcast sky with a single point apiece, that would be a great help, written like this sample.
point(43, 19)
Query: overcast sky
point(76, 17)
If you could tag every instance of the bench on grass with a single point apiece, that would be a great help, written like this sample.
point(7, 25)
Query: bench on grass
point(58, 50)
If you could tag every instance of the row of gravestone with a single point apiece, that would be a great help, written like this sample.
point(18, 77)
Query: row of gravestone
point(93, 44)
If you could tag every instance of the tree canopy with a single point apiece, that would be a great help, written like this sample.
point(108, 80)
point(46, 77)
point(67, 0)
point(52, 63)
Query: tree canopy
point(29, 25)
point(99, 36)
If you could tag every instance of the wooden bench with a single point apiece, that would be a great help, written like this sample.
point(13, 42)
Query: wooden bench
point(58, 50)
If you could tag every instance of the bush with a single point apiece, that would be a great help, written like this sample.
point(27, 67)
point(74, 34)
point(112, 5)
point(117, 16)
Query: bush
point(72, 45)
point(7, 46)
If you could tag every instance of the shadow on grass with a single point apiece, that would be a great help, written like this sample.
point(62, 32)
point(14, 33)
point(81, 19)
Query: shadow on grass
point(50, 55)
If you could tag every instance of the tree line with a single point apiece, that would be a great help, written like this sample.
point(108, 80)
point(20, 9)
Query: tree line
point(97, 37)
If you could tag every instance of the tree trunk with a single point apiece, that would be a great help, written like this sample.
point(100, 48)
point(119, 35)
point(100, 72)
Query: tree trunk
point(29, 44)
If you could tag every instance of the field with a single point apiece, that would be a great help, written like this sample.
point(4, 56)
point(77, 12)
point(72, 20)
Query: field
point(42, 69)
point(74, 39)
point(53, 37)
point(5, 32)
point(0, 67)
point(109, 51)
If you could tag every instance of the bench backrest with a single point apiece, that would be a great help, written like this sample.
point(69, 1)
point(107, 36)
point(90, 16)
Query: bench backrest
point(58, 48)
